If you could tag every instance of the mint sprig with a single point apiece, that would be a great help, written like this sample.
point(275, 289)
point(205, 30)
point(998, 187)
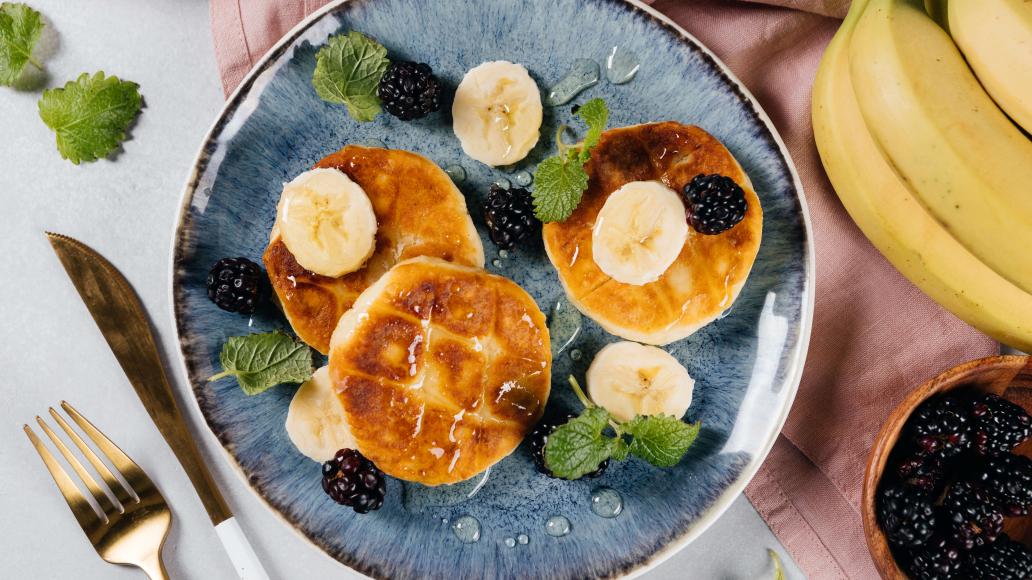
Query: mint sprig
point(560, 180)
point(261, 361)
point(348, 70)
point(579, 446)
point(89, 115)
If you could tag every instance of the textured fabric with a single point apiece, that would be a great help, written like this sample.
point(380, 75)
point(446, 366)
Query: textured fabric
point(875, 336)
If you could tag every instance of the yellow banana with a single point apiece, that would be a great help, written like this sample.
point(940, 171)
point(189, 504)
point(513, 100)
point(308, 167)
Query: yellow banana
point(960, 156)
point(996, 39)
point(894, 221)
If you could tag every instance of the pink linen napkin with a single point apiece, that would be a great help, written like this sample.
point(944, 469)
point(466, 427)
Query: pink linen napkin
point(875, 336)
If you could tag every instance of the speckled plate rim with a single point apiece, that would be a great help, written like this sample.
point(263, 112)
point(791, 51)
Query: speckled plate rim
point(720, 504)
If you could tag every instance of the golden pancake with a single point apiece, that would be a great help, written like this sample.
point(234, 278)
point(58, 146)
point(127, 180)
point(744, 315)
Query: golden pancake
point(419, 212)
point(709, 272)
point(442, 370)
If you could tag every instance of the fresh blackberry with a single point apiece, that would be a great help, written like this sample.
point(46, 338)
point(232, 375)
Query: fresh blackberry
point(941, 428)
point(938, 559)
point(409, 90)
point(1005, 559)
point(1007, 480)
point(907, 514)
point(969, 517)
point(999, 425)
point(352, 480)
point(510, 218)
point(715, 203)
point(233, 285)
point(538, 439)
point(926, 472)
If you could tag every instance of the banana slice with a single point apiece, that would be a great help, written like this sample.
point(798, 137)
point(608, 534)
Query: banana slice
point(639, 232)
point(315, 419)
point(497, 113)
point(628, 379)
point(327, 222)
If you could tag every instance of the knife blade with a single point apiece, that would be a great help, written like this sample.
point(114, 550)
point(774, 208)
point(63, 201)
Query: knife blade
point(115, 309)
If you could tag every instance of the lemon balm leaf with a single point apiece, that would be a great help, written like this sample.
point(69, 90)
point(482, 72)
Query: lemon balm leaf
point(558, 187)
point(261, 361)
point(595, 114)
point(659, 439)
point(578, 447)
point(348, 70)
point(89, 115)
point(20, 27)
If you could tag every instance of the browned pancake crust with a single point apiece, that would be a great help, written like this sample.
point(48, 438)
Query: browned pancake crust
point(442, 370)
point(710, 270)
point(417, 214)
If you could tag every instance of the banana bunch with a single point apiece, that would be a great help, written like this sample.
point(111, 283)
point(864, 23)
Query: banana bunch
point(923, 159)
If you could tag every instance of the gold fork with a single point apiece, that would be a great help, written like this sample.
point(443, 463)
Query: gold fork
point(133, 530)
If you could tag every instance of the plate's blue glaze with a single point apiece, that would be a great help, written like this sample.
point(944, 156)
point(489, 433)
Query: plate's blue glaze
point(746, 365)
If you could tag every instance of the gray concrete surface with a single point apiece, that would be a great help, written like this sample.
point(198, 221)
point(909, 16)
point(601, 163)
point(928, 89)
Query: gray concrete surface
point(124, 208)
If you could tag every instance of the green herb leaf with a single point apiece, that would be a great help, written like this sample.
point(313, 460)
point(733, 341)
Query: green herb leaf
point(779, 574)
point(89, 115)
point(578, 446)
point(560, 181)
point(260, 361)
point(348, 71)
point(19, 30)
point(659, 439)
point(557, 188)
point(595, 114)
point(618, 449)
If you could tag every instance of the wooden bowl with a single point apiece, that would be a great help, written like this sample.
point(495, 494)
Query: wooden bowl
point(1008, 376)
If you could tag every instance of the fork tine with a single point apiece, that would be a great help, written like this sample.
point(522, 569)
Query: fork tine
point(91, 484)
point(80, 507)
point(132, 473)
point(113, 484)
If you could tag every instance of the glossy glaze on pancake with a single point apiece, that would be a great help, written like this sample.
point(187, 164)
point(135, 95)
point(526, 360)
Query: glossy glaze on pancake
point(442, 370)
point(710, 271)
point(419, 212)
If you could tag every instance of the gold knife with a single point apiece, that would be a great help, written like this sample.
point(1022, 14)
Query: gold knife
point(116, 311)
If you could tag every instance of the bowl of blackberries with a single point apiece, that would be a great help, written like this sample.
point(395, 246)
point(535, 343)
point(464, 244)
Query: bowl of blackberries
point(948, 486)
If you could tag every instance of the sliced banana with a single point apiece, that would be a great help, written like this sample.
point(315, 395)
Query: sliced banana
point(639, 232)
point(497, 113)
point(315, 419)
point(327, 222)
point(628, 379)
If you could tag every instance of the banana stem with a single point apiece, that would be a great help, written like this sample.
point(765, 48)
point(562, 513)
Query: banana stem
point(580, 393)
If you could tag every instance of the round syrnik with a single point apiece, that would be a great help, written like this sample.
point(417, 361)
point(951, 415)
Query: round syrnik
point(409, 90)
point(233, 285)
point(715, 203)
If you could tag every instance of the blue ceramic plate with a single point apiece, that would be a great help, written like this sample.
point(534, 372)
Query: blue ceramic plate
point(746, 365)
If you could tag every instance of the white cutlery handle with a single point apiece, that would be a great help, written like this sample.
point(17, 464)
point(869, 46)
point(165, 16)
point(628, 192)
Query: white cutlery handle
point(240, 551)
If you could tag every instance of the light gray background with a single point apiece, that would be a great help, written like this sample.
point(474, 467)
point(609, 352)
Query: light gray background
point(124, 207)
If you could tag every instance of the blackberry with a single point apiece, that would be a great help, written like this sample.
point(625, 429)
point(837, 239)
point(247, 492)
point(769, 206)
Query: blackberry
point(510, 218)
point(538, 439)
point(969, 517)
point(1005, 559)
point(233, 285)
point(409, 90)
point(938, 559)
point(715, 203)
point(1007, 480)
point(907, 514)
point(352, 480)
point(923, 471)
point(999, 425)
point(941, 428)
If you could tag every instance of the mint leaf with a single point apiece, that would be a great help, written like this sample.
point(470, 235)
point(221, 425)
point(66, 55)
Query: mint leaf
point(659, 439)
point(347, 72)
point(19, 30)
point(560, 181)
point(618, 449)
point(557, 188)
point(595, 114)
point(260, 361)
point(89, 115)
point(578, 446)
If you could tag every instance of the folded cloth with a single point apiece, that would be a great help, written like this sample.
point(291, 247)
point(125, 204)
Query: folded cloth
point(875, 336)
